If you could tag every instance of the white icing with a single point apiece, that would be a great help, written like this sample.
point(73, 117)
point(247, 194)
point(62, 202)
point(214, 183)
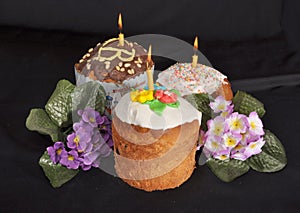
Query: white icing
point(141, 114)
point(187, 80)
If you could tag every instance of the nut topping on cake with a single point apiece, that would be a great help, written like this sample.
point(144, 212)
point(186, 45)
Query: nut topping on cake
point(118, 63)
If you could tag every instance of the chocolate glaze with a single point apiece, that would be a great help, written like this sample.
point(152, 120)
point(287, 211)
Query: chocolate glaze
point(130, 62)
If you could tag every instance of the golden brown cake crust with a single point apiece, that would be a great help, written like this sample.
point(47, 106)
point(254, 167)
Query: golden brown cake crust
point(164, 143)
point(226, 90)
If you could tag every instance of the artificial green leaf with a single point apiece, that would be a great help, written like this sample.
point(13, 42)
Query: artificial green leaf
point(227, 170)
point(272, 158)
point(59, 106)
point(201, 102)
point(90, 94)
point(38, 120)
point(204, 120)
point(56, 173)
point(245, 103)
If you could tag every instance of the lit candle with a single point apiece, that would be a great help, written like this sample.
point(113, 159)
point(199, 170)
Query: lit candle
point(149, 72)
point(195, 56)
point(121, 35)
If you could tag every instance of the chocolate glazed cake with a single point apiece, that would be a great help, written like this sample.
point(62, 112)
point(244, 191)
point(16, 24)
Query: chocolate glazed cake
point(110, 62)
point(155, 152)
point(117, 68)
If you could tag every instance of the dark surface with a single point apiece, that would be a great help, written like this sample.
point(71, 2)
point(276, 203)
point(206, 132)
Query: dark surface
point(209, 19)
point(33, 61)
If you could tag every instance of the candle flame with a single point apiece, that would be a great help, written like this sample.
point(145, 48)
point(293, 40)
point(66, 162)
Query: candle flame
point(120, 21)
point(149, 54)
point(196, 43)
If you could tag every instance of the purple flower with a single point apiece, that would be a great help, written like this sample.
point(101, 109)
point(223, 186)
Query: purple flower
point(70, 159)
point(105, 130)
point(220, 104)
point(90, 116)
point(79, 140)
point(255, 124)
point(92, 158)
point(56, 151)
point(82, 124)
point(89, 158)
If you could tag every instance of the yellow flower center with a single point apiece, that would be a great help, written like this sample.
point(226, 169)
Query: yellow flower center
point(214, 144)
point(92, 120)
point(70, 157)
point(230, 142)
point(59, 151)
point(224, 114)
point(76, 140)
point(252, 146)
point(221, 107)
point(236, 124)
point(238, 147)
point(217, 130)
point(252, 125)
point(223, 157)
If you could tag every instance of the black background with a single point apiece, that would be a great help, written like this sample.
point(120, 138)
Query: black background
point(255, 43)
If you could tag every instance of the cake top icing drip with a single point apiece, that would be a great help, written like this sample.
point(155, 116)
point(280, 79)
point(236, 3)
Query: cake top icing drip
point(140, 114)
point(187, 79)
point(110, 62)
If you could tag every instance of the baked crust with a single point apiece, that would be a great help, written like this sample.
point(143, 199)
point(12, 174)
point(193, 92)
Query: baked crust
point(165, 163)
point(226, 90)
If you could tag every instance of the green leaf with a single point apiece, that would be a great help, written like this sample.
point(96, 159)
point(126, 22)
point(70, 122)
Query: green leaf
point(90, 94)
point(245, 103)
point(157, 106)
point(174, 105)
point(227, 170)
point(201, 102)
point(56, 173)
point(272, 158)
point(59, 106)
point(39, 121)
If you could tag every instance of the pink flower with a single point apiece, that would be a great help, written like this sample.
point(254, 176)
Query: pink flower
point(201, 140)
point(223, 154)
point(216, 126)
point(225, 114)
point(214, 145)
point(220, 104)
point(239, 156)
point(254, 148)
point(255, 124)
point(237, 123)
point(231, 139)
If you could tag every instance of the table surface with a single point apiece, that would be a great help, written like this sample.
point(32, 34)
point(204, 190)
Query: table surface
point(30, 71)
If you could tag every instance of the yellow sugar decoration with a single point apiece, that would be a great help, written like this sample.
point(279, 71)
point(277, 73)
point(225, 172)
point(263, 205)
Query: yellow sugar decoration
point(141, 96)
